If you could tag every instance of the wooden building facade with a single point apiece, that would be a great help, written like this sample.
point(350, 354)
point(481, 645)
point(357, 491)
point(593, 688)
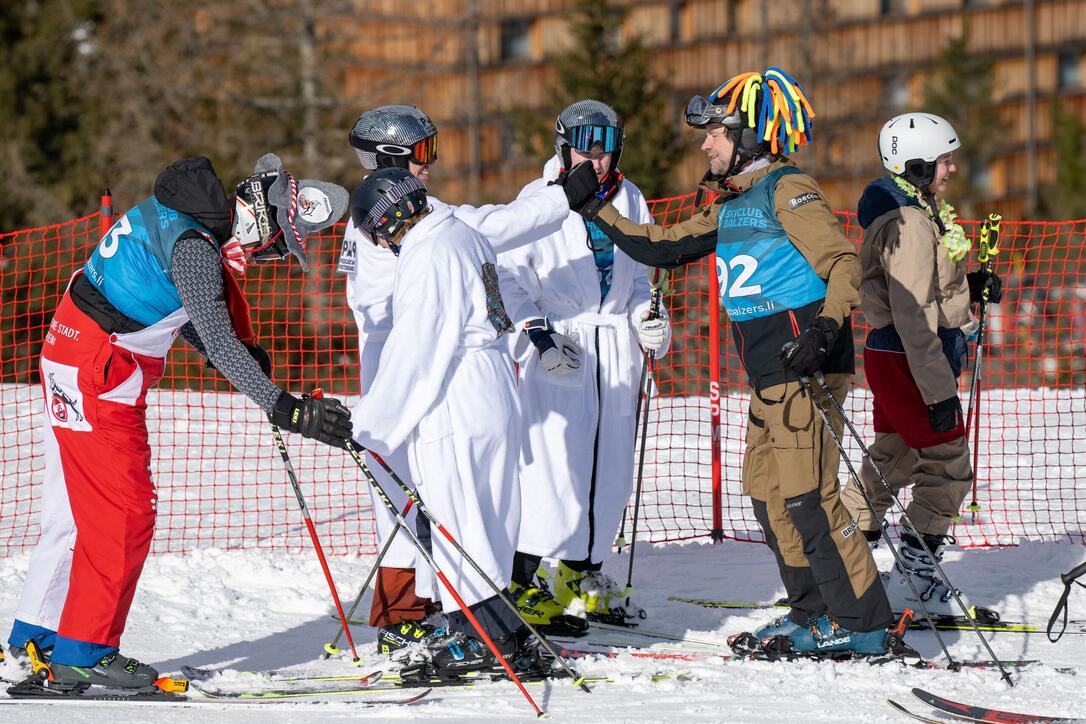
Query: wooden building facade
point(471, 63)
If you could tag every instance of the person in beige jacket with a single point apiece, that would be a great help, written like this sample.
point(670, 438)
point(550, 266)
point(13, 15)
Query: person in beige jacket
point(915, 294)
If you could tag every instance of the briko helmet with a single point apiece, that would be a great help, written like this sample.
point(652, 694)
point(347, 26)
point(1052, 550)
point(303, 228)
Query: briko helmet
point(384, 202)
point(910, 144)
point(274, 212)
point(763, 113)
point(585, 123)
point(390, 136)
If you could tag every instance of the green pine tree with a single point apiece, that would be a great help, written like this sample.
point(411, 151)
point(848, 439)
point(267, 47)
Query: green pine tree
point(598, 65)
point(1066, 198)
point(960, 90)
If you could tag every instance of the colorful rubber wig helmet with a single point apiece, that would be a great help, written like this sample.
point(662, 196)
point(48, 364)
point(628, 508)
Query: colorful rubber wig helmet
point(763, 113)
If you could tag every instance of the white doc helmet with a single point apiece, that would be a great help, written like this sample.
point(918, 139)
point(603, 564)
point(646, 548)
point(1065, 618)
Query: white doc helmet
point(910, 143)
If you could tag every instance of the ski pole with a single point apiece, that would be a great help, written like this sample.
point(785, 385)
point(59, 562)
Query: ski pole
point(821, 379)
point(422, 510)
point(1061, 605)
point(989, 247)
point(439, 573)
point(620, 541)
point(331, 648)
point(313, 532)
point(646, 382)
point(659, 285)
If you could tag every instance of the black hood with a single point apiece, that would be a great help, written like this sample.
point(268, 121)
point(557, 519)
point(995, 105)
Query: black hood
point(880, 196)
point(191, 187)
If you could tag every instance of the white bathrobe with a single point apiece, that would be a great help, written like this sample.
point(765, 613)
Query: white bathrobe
point(369, 295)
point(576, 466)
point(445, 386)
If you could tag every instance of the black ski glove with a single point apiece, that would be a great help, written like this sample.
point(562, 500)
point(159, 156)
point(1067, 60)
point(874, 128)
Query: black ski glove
point(580, 184)
point(980, 279)
point(944, 416)
point(807, 353)
point(258, 353)
point(318, 418)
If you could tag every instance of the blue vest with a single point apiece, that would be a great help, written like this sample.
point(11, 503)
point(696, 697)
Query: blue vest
point(760, 272)
point(131, 264)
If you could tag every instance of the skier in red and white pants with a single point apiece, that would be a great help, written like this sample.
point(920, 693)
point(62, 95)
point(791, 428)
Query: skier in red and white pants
point(160, 271)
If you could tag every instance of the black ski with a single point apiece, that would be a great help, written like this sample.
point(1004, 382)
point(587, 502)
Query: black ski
point(919, 717)
point(984, 714)
point(986, 619)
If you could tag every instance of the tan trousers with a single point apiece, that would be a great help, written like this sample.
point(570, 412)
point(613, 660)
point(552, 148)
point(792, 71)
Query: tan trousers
point(941, 477)
point(790, 472)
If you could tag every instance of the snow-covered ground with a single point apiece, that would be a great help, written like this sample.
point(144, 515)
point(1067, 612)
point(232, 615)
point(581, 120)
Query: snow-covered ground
point(259, 610)
point(248, 593)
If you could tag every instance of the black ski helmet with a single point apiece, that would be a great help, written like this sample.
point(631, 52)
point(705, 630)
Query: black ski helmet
point(384, 201)
point(585, 123)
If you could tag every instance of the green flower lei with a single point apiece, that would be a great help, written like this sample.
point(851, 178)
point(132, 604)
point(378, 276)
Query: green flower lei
point(956, 242)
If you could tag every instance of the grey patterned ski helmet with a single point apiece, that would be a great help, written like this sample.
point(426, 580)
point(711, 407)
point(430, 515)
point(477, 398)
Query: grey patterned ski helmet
point(390, 136)
point(585, 123)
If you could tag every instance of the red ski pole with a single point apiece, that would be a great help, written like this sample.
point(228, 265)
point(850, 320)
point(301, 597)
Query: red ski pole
point(312, 530)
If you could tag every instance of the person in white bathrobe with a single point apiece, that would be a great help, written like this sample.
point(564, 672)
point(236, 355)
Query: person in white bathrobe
point(446, 390)
point(404, 136)
point(579, 395)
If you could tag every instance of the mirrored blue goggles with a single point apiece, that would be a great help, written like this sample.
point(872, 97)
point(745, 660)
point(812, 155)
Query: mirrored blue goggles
point(583, 138)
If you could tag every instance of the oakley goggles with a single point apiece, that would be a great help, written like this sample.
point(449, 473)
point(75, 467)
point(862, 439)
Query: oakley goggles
point(422, 152)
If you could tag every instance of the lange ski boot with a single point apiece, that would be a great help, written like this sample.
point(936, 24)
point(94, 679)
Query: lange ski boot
point(396, 637)
point(937, 596)
point(541, 609)
point(824, 638)
point(750, 643)
point(597, 594)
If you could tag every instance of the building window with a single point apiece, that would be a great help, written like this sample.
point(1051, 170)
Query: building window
point(675, 8)
point(1069, 70)
point(892, 7)
point(895, 92)
point(516, 44)
point(980, 177)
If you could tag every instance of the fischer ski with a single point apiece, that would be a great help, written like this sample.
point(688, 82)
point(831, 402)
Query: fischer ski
point(984, 714)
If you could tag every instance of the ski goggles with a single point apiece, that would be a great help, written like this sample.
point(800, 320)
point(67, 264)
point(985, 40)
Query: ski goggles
point(700, 112)
point(425, 151)
point(422, 152)
point(584, 138)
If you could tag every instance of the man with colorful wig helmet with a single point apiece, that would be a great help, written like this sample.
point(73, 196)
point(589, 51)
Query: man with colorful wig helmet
point(581, 306)
point(788, 282)
point(403, 136)
point(915, 296)
point(444, 391)
point(160, 271)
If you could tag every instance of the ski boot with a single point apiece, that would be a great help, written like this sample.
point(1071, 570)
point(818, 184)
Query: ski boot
point(936, 595)
point(112, 670)
point(824, 638)
point(540, 608)
point(750, 643)
point(597, 595)
point(458, 655)
point(396, 637)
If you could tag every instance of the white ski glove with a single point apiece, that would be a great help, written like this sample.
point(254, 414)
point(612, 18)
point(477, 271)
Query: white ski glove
point(558, 353)
point(653, 333)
